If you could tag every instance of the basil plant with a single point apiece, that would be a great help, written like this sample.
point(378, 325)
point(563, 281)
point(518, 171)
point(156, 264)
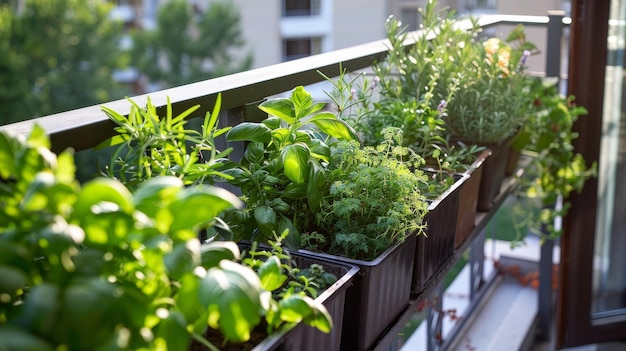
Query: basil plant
point(283, 171)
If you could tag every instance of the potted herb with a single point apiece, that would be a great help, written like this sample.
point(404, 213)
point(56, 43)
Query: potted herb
point(492, 103)
point(166, 140)
point(96, 266)
point(148, 145)
point(324, 280)
point(408, 92)
point(290, 163)
point(555, 170)
point(282, 173)
point(371, 216)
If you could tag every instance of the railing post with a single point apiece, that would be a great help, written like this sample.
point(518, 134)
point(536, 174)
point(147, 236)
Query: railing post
point(553, 69)
point(477, 265)
point(435, 315)
point(545, 280)
point(554, 47)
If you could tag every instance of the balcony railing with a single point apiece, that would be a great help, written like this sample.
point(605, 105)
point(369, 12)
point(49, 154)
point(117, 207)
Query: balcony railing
point(85, 128)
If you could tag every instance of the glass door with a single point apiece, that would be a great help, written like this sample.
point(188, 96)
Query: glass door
point(592, 296)
point(609, 264)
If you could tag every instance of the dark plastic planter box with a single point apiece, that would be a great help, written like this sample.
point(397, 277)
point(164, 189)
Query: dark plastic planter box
point(437, 245)
point(494, 171)
point(303, 337)
point(468, 201)
point(379, 294)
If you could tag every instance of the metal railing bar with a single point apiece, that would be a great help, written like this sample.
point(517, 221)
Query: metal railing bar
point(86, 127)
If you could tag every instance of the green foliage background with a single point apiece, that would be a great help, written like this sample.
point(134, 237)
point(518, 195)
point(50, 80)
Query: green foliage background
point(57, 55)
point(190, 44)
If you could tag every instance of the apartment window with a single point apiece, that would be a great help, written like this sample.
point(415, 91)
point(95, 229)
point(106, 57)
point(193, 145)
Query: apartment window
point(301, 7)
point(410, 18)
point(301, 47)
point(481, 4)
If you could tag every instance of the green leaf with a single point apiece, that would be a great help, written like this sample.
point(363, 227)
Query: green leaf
point(212, 253)
point(294, 308)
point(271, 274)
point(272, 122)
point(320, 318)
point(255, 152)
point(7, 156)
point(107, 228)
point(89, 313)
point(173, 329)
point(317, 106)
point(66, 168)
point(249, 131)
point(112, 141)
point(12, 280)
point(315, 186)
point(210, 121)
point(38, 137)
point(292, 241)
point(521, 140)
point(319, 150)
point(40, 309)
point(280, 136)
point(517, 33)
point(281, 108)
point(231, 293)
point(17, 339)
point(265, 218)
point(295, 159)
point(200, 206)
point(331, 125)
point(239, 176)
point(102, 190)
point(279, 205)
point(302, 102)
point(15, 255)
point(183, 258)
point(156, 191)
point(296, 191)
point(187, 298)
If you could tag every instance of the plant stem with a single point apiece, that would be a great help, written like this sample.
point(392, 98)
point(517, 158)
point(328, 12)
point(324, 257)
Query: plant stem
point(204, 342)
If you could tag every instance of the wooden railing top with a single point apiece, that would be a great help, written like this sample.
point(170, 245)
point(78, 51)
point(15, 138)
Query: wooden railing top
point(86, 127)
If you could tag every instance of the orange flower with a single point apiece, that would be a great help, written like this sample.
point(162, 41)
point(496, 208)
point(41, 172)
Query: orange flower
point(495, 47)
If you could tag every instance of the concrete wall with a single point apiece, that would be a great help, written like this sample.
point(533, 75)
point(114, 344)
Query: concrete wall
point(358, 21)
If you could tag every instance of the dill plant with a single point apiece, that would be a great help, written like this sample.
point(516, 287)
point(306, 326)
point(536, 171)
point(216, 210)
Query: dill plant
point(373, 199)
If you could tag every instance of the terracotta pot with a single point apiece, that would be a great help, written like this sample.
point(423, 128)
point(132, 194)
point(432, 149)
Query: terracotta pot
point(468, 200)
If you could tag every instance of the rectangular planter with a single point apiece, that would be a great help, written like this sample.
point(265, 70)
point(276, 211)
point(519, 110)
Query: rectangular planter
point(306, 338)
point(437, 245)
point(493, 174)
point(379, 294)
point(468, 200)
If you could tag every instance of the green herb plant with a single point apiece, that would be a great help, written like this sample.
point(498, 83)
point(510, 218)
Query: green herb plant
point(148, 145)
point(410, 91)
point(373, 200)
point(555, 170)
point(294, 289)
point(283, 170)
point(493, 98)
point(98, 267)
